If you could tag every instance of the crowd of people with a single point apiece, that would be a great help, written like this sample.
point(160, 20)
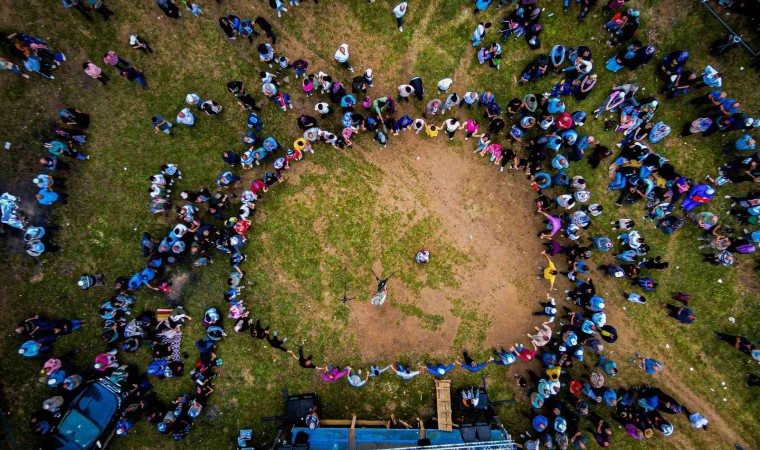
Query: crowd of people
point(535, 135)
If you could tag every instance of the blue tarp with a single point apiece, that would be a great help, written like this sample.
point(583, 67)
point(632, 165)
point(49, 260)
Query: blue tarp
point(337, 438)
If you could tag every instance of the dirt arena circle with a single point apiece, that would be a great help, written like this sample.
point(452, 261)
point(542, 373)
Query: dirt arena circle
point(483, 214)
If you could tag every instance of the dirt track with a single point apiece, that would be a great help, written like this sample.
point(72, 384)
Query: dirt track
point(485, 214)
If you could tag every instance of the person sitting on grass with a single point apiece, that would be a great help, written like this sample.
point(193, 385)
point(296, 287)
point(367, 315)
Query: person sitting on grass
point(523, 353)
point(276, 342)
point(682, 314)
point(543, 335)
point(355, 379)
point(438, 370)
point(471, 365)
point(332, 373)
point(504, 357)
point(648, 365)
point(304, 362)
point(405, 372)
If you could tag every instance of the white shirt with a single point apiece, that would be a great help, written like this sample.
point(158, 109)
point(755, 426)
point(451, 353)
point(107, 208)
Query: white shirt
point(342, 57)
point(470, 100)
point(322, 108)
point(445, 84)
point(451, 125)
point(312, 134)
point(480, 30)
point(189, 119)
point(192, 99)
point(408, 376)
point(402, 90)
point(400, 10)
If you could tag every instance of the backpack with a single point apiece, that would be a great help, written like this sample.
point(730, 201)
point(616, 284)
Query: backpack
point(746, 248)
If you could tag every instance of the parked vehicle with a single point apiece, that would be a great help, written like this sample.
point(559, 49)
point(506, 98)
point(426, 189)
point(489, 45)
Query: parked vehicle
point(88, 421)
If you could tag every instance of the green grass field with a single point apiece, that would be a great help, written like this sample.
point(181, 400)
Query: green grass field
point(324, 226)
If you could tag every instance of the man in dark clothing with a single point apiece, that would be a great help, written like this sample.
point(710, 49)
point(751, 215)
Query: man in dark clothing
point(245, 100)
point(683, 315)
point(305, 122)
point(266, 27)
point(258, 332)
point(77, 4)
point(419, 91)
point(304, 362)
point(740, 343)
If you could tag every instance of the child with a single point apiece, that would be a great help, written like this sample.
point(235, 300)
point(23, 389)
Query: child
point(419, 125)
point(283, 62)
point(193, 8)
point(432, 130)
point(381, 138)
point(300, 66)
point(307, 85)
point(171, 171)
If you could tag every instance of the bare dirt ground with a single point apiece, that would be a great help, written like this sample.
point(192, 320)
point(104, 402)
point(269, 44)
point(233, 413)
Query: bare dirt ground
point(485, 214)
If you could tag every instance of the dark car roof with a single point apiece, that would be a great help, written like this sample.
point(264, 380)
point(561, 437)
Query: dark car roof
point(88, 416)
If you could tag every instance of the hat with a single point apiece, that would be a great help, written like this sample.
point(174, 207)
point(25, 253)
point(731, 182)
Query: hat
point(98, 365)
point(132, 39)
point(667, 429)
point(441, 371)
point(648, 433)
point(635, 13)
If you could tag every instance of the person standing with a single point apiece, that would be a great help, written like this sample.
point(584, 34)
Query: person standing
point(161, 124)
point(245, 100)
point(479, 33)
point(266, 27)
point(95, 72)
point(169, 8)
point(399, 11)
point(138, 43)
point(186, 117)
point(342, 55)
point(444, 85)
point(99, 7)
point(451, 126)
point(404, 92)
point(135, 74)
point(79, 7)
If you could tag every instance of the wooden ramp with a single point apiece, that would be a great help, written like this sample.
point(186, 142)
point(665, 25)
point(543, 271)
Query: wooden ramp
point(443, 398)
